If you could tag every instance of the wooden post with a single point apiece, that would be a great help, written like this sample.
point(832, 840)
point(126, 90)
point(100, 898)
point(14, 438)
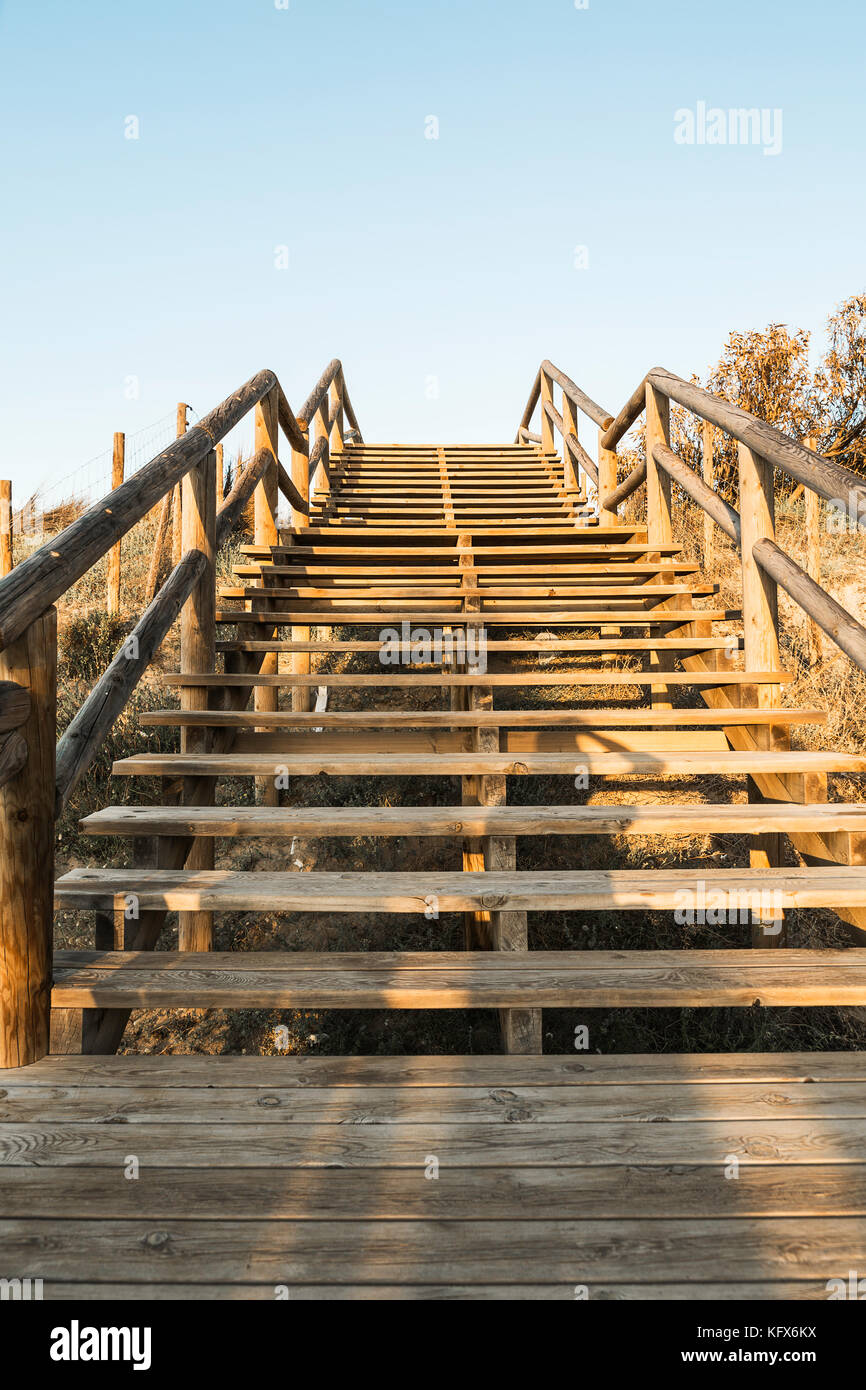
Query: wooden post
point(607, 465)
point(266, 498)
point(659, 521)
point(220, 476)
point(813, 557)
point(6, 560)
point(300, 663)
point(336, 440)
point(548, 443)
point(198, 654)
point(113, 583)
point(27, 852)
point(708, 472)
point(571, 476)
point(761, 641)
point(321, 485)
point(177, 518)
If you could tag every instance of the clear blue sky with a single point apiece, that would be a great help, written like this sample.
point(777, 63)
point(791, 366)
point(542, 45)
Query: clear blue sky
point(409, 258)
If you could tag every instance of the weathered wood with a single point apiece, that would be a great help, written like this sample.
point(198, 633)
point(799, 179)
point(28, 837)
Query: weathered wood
point(278, 822)
point(6, 560)
point(831, 617)
point(686, 764)
point(440, 980)
point(631, 411)
point(34, 585)
point(15, 705)
point(708, 475)
point(177, 502)
point(577, 397)
point(198, 653)
point(716, 509)
point(13, 756)
point(548, 443)
point(113, 579)
point(109, 697)
point(602, 676)
point(628, 485)
point(267, 533)
point(530, 407)
point(828, 479)
point(27, 850)
point(313, 403)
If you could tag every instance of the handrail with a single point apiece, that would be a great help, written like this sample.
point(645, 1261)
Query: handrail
point(114, 689)
point(759, 441)
point(840, 625)
point(32, 588)
point(830, 480)
point(631, 411)
point(715, 506)
point(577, 397)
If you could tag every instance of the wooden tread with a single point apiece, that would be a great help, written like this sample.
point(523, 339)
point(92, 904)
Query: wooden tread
point(447, 980)
point(224, 890)
point(602, 764)
point(324, 821)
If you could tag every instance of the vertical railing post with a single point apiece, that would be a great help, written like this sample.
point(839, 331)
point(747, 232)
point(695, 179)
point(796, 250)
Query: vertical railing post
point(659, 520)
point(548, 443)
point(177, 513)
point(266, 498)
point(320, 485)
point(570, 475)
point(6, 560)
point(607, 466)
point(336, 394)
point(112, 598)
point(27, 852)
point(300, 663)
point(813, 556)
point(761, 644)
point(708, 471)
point(220, 476)
point(197, 655)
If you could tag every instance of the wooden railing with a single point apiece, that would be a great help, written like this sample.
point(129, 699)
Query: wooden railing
point(38, 774)
point(760, 449)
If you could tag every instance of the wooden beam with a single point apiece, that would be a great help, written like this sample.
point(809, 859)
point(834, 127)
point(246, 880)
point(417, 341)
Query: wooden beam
point(27, 851)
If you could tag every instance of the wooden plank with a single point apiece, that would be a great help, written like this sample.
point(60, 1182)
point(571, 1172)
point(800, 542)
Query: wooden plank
point(321, 821)
point(697, 1143)
point(437, 980)
point(576, 618)
point(580, 676)
point(368, 1251)
point(767, 1290)
point(390, 1106)
point(178, 1070)
point(470, 764)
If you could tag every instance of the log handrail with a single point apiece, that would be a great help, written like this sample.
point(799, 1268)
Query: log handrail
point(757, 441)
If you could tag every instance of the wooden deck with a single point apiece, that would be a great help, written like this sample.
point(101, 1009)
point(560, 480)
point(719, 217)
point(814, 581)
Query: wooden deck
point(558, 1177)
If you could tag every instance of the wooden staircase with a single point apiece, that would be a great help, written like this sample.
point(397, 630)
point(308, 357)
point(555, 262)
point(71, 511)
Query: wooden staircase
point(477, 615)
point(439, 542)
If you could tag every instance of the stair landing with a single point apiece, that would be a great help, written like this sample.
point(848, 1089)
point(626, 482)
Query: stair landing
point(502, 1177)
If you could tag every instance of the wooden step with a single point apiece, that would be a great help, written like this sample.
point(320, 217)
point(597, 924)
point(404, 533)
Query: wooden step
point(673, 764)
point(516, 679)
point(490, 617)
point(475, 719)
point(515, 646)
point(452, 980)
point(386, 821)
point(541, 571)
point(487, 591)
point(578, 544)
